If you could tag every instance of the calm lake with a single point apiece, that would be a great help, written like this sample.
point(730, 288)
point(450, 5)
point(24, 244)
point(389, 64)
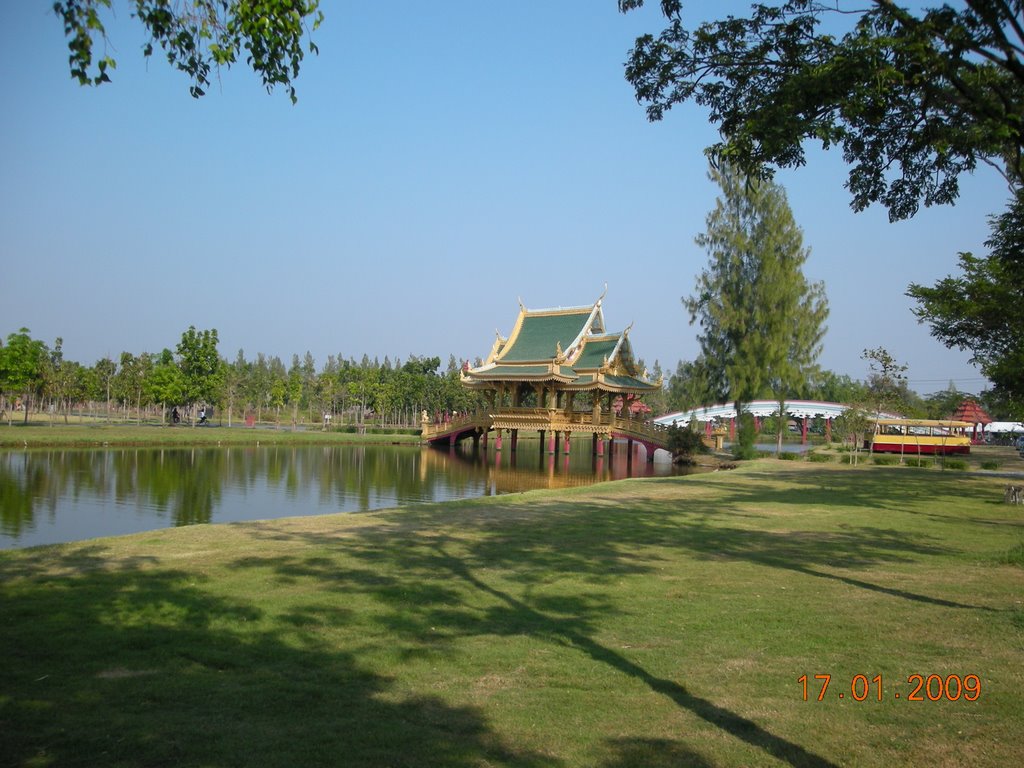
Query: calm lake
point(60, 495)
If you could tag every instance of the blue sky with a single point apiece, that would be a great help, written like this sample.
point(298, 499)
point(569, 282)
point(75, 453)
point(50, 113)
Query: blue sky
point(444, 159)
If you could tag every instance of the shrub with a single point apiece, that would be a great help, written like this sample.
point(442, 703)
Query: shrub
point(744, 448)
point(955, 464)
point(683, 442)
point(820, 458)
point(920, 463)
point(885, 461)
point(990, 464)
point(788, 456)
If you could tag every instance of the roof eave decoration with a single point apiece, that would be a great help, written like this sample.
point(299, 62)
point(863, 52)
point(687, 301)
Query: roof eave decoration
point(624, 384)
point(499, 343)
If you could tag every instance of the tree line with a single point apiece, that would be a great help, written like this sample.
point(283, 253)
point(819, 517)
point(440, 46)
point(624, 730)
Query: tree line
point(36, 377)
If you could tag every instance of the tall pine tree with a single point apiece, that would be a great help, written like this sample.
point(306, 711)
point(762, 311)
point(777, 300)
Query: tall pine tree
point(761, 321)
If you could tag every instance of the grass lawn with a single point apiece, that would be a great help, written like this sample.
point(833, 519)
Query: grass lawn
point(656, 622)
point(41, 434)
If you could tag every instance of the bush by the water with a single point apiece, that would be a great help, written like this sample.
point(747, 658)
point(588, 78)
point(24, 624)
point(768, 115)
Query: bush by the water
point(788, 456)
point(819, 458)
point(684, 442)
point(955, 464)
point(990, 464)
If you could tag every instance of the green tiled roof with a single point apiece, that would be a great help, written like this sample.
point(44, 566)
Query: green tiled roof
point(594, 353)
point(538, 335)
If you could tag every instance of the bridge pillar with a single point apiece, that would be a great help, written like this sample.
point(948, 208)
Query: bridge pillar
point(451, 440)
point(497, 441)
point(515, 440)
point(567, 436)
point(650, 452)
point(803, 431)
point(542, 433)
point(828, 430)
point(552, 439)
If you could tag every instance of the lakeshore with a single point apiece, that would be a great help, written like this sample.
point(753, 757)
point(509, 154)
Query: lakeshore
point(42, 434)
point(642, 622)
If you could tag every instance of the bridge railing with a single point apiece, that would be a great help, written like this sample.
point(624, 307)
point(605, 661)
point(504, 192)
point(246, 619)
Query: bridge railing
point(545, 419)
point(446, 424)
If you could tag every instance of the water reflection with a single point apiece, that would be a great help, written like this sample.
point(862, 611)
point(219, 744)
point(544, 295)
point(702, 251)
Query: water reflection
point(49, 496)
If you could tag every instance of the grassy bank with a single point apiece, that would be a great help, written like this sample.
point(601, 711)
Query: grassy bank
point(94, 435)
point(653, 622)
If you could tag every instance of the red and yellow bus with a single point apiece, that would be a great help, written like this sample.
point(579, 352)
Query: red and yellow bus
point(920, 436)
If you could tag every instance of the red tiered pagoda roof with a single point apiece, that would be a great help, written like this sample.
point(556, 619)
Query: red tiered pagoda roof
point(971, 412)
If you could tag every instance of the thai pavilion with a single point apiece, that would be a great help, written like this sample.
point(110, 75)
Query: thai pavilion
point(559, 372)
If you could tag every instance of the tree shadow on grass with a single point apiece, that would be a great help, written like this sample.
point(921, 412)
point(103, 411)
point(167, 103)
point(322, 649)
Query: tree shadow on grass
point(463, 570)
point(471, 605)
point(109, 663)
point(654, 753)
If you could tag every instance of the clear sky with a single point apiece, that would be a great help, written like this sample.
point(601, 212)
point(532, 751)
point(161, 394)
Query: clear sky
point(444, 160)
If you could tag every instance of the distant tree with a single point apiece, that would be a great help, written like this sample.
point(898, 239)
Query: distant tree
point(943, 404)
point(834, 388)
point(293, 390)
point(198, 37)
point(999, 406)
point(200, 366)
point(688, 386)
point(129, 381)
point(234, 378)
point(166, 384)
point(852, 425)
point(657, 401)
point(22, 367)
point(278, 386)
point(104, 372)
point(761, 321)
point(64, 381)
point(257, 389)
point(887, 383)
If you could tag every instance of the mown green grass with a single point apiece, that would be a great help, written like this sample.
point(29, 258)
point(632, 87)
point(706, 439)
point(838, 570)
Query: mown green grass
point(656, 622)
point(85, 435)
